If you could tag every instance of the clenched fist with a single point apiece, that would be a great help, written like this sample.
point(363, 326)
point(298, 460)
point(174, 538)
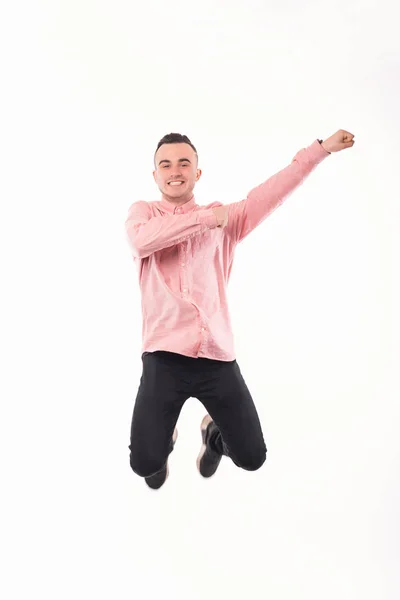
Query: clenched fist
point(338, 141)
point(221, 212)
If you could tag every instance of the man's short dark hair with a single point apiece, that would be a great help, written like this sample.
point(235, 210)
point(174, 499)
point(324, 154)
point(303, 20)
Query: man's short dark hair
point(175, 138)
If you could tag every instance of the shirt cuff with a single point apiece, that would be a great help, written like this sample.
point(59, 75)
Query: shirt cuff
point(207, 217)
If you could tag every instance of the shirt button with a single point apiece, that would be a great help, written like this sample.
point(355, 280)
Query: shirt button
point(183, 264)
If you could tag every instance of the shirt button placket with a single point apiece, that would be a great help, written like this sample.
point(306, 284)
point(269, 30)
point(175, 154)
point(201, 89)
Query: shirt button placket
point(183, 277)
point(203, 342)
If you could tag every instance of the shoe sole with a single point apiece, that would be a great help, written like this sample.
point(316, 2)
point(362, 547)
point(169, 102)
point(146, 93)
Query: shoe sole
point(204, 424)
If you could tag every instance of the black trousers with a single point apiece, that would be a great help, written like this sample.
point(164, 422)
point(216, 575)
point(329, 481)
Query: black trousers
point(168, 380)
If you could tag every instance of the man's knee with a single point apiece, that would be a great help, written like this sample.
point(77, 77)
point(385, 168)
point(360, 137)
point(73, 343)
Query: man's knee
point(145, 466)
point(253, 462)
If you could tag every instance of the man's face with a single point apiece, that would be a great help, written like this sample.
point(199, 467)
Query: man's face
point(176, 163)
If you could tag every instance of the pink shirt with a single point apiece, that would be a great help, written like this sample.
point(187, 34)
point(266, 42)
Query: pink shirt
point(184, 262)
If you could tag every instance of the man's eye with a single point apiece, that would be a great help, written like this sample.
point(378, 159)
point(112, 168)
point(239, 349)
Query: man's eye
point(183, 165)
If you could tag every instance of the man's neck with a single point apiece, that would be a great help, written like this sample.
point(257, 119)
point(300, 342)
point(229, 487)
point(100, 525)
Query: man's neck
point(177, 201)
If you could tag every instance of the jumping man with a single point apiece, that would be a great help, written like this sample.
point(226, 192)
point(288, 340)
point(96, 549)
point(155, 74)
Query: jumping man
point(184, 255)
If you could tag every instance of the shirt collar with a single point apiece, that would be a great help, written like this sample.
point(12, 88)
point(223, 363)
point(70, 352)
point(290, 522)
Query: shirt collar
point(171, 208)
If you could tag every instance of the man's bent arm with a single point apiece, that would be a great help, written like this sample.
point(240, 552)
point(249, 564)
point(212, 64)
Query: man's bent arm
point(147, 234)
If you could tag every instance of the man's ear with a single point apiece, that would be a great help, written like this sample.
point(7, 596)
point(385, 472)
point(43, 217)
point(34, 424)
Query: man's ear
point(154, 175)
point(198, 175)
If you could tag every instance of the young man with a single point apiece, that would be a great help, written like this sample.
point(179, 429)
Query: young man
point(184, 254)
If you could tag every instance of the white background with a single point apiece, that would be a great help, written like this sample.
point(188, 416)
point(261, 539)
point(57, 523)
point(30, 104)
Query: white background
point(88, 89)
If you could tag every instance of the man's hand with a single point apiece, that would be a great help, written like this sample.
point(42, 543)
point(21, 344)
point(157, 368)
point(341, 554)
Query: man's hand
point(221, 212)
point(338, 141)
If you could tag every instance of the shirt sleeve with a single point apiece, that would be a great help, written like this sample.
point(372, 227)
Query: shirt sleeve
point(261, 201)
point(147, 233)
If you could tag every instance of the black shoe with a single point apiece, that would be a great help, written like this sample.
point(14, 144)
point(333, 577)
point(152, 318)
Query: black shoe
point(208, 459)
point(158, 479)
